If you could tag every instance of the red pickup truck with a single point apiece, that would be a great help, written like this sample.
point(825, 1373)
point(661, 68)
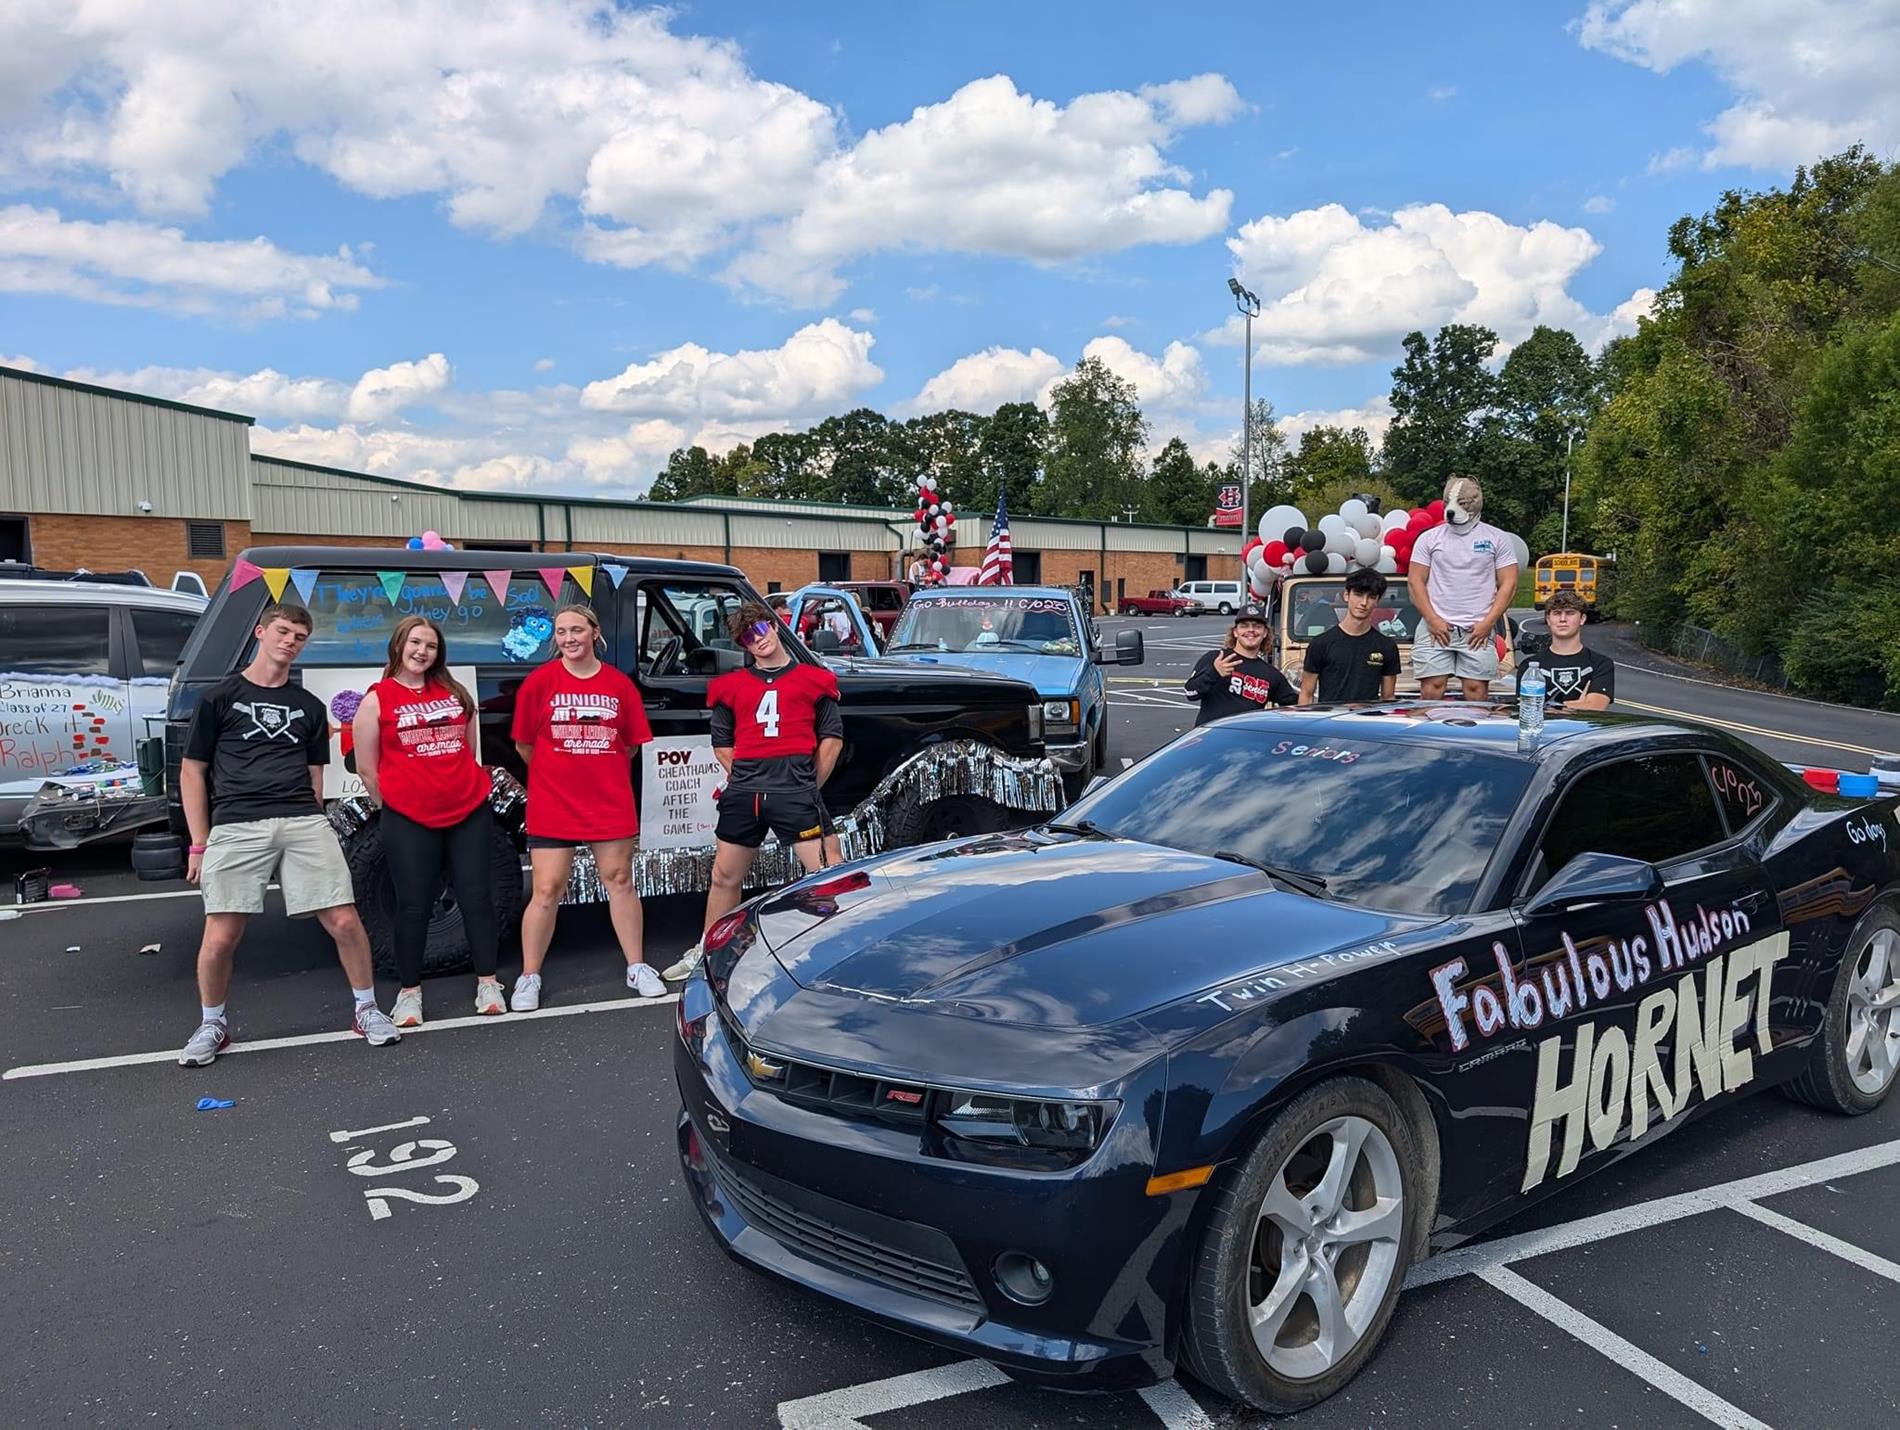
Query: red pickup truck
point(883, 601)
point(1155, 603)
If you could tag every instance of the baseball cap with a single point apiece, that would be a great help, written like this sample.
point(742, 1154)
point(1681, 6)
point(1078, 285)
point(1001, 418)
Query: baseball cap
point(1252, 611)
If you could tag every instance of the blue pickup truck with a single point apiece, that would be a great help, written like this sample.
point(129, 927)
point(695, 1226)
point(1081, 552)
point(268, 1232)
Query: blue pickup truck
point(1039, 634)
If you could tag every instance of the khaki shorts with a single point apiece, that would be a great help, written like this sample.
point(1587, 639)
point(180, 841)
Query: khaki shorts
point(1431, 659)
point(302, 851)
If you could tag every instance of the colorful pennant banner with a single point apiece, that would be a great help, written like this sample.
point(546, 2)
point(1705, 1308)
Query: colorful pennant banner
point(615, 574)
point(552, 577)
point(392, 584)
point(498, 583)
point(305, 580)
point(453, 582)
point(275, 579)
point(243, 573)
point(583, 577)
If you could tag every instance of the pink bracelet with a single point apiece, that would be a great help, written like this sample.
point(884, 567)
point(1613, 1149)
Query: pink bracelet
point(196, 848)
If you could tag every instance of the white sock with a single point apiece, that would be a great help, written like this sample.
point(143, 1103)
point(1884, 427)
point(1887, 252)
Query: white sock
point(365, 997)
point(210, 1014)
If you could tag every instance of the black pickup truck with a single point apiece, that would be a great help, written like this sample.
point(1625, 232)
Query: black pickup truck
point(928, 754)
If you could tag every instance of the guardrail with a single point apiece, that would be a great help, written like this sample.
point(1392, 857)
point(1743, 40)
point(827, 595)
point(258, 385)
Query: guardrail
point(1704, 647)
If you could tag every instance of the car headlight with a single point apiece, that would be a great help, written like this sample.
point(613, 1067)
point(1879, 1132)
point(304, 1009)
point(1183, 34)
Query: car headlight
point(1018, 1129)
point(1060, 712)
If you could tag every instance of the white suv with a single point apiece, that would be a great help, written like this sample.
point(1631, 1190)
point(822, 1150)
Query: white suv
point(84, 670)
point(1222, 596)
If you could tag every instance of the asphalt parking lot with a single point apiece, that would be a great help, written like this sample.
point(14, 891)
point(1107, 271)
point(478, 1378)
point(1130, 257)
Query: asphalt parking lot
point(267, 1263)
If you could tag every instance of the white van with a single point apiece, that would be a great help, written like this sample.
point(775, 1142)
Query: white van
point(1222, 596)
point(84, 670)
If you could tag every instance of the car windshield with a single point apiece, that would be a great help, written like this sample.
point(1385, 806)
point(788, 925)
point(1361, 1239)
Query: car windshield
point(1315, 607)
point(1044, 624)
point(1389, 825)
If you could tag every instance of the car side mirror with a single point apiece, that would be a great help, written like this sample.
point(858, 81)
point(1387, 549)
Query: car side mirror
point(1592, 878)
point(1128, 650)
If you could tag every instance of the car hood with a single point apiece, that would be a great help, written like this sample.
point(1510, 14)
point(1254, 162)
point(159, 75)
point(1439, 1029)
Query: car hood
point(1050, 931)
point(1050, 674)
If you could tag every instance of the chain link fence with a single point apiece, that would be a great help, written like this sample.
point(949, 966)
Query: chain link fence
point(1706, 648)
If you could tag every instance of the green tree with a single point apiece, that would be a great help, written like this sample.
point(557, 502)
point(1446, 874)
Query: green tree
point(1328, 457)
point(1440, 394)
point(948, 446)
point(1269, 485)
point(1010, 452)
point(1177, 492)
point(690, 472)
point(1093, 464)
point(859, 459)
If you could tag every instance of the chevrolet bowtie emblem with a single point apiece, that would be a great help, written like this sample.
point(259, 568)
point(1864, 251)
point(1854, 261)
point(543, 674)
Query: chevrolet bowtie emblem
point(763, 1068)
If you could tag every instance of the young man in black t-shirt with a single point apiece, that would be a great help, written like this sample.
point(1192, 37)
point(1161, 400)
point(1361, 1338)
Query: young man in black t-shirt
point(252, 786)
point(1238, 678)
point(1575, 676)
point(1352, 662)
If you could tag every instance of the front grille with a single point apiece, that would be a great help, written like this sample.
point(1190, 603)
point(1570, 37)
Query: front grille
point(843, 1094)
point(854, 1252)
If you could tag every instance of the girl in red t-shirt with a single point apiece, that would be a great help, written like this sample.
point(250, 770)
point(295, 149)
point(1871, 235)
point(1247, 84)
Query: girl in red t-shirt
point(579, 724)
point(415, 741)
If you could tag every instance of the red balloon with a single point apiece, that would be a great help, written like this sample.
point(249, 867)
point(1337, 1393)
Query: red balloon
point(1418, 514)
point(1403, 562)
point(1274, 551)
point(1437, 509)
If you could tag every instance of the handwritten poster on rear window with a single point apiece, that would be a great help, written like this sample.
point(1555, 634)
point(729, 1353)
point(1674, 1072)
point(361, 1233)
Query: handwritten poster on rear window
point(354, 618)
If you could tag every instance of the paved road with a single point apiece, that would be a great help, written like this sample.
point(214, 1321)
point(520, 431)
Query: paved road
point(232, 1267)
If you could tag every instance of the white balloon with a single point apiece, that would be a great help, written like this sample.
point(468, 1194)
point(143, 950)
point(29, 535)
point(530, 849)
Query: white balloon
point(1256, 564)
point(1342, 543)
point(1388, 563)
point(1393, 520)
point(1276, 519)
point(1523, 551)
point(1335, 563)
point(1352, 509)
point(1386, 553)
point(1367, 526)
point(1365, 551)
point(1332, 523)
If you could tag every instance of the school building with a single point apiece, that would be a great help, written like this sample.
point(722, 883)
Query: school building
point(104, 479)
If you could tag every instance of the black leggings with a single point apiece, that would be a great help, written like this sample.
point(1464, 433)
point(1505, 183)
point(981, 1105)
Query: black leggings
point(416, 855)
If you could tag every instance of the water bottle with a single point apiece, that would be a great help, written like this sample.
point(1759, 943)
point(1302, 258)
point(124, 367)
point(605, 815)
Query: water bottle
point(1530, 703)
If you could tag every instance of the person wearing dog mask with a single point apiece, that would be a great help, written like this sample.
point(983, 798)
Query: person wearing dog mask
point(1463, 578)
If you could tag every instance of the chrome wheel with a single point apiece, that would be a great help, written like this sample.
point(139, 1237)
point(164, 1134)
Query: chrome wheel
point(1326, 1247)
point(1873, 1014)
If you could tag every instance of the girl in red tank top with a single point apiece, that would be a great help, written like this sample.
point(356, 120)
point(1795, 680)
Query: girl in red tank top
point(415, 735)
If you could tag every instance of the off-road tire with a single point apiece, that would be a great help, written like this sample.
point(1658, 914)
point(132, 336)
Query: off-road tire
point(1216, 1341)
point(1825, 1082)
point(917, 822)
point(446, 949)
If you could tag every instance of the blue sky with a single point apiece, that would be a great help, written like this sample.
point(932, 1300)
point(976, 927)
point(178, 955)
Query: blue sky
point(537, 243)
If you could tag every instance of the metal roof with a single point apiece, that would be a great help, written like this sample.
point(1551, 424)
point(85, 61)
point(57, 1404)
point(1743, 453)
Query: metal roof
point(27, 376)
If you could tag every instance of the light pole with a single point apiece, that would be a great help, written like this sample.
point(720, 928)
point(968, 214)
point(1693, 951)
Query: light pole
point(1570, 438)
point(1249, 307)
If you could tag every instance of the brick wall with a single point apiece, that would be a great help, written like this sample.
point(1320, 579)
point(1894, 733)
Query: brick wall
point(152, 544)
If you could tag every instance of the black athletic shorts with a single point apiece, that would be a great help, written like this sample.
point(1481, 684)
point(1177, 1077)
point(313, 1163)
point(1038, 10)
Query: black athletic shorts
point(794, 815)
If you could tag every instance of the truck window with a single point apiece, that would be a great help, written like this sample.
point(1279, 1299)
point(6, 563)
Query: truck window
point(693, 613)
point(56, 639)
point(353, 617)
point(161, 636)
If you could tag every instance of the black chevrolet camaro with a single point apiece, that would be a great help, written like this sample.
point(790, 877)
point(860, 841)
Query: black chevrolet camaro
point(1196, 1071)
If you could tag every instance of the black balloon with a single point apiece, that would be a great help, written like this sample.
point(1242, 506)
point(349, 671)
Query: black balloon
point(1292, 537)
point(1316, 562)
point(1313, 539)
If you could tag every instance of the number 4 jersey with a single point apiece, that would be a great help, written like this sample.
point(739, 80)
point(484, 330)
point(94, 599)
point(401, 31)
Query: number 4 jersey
point(772, 720)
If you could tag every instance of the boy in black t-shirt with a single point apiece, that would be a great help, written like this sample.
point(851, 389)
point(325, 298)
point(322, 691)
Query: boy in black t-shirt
point(1238, 678)
point(1352, 662)
point(251, 784)
point(1575, 676)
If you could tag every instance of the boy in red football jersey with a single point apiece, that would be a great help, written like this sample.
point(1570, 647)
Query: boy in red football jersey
point(777, 730)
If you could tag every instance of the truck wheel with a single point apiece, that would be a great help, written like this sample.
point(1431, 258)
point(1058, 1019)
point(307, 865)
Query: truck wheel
point(446, 948)
point(1853, 1062)
point(953, 817)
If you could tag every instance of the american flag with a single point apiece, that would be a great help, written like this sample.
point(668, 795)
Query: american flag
point(998, 568)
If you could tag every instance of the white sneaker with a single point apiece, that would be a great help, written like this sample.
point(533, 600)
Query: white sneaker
point(643, 980)
point(408, 1010)
point(527, 994)
point(488, 999)
point(684, 968)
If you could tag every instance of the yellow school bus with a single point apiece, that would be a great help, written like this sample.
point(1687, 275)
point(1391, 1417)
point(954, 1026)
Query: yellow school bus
point(1567, 571)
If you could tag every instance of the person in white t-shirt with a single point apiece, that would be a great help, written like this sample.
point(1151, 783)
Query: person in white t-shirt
point(1463, 578)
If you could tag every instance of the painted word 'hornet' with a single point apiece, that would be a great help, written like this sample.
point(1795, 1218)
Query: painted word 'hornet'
point(1195, 1071)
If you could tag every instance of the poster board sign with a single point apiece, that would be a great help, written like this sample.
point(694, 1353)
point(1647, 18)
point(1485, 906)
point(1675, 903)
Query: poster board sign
point(680, 782)
point(341, 689)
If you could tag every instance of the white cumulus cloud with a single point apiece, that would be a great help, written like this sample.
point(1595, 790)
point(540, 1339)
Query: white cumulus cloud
point(983, 381)
point(384, 391)
point(1335, 289)
point(131, 263)
point(818, 369)
point(379, 394)
point(1810, 77)
point(1374, 414)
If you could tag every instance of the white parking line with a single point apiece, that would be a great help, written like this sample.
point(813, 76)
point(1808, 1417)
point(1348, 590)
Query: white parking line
point(1814, 1236)
point(263, 1045)
point(1601, 1338)
point(840, 1409)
